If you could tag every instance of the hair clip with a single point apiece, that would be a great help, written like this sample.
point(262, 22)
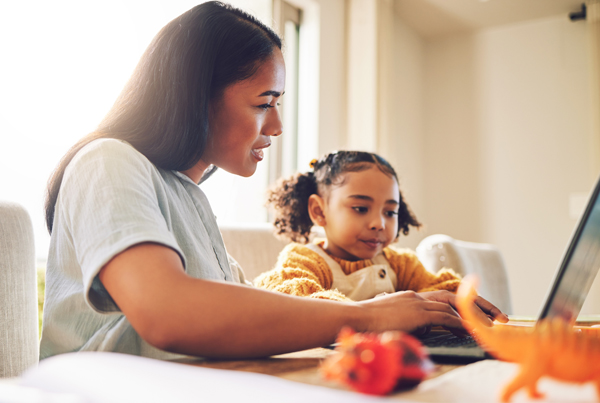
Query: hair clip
point(312, 163)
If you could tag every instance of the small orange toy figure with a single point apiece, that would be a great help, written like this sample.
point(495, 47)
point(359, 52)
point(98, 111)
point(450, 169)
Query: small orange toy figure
point(552, 348)
point(377, 363)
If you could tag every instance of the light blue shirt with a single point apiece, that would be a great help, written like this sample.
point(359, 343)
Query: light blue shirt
point(111, 198)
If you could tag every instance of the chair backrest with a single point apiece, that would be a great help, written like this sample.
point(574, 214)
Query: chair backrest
point(484, 260)
point(253, 246)
point(19, 338)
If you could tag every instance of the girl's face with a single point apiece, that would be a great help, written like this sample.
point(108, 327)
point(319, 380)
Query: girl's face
point(243, 120)
point(360, 217)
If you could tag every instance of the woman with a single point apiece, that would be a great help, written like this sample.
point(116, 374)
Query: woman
point(136, 262)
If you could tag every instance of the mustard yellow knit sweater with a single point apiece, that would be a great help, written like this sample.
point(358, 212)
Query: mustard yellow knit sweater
point(302, 272)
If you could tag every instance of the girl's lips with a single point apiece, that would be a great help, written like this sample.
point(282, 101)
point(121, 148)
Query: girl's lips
point(372, 243)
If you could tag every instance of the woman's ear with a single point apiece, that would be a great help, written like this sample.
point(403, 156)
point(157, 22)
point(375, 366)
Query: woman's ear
point(316, 210)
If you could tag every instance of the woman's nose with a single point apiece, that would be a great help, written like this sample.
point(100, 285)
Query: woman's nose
point(274, 125)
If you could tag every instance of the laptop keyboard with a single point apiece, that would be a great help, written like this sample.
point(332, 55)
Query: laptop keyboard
point(448, 340)
point(445, 344)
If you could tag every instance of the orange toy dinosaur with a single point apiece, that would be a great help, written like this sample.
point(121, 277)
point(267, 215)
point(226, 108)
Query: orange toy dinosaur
point(552, 348)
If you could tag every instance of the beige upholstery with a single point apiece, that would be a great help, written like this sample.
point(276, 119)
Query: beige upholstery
point(19, 347)
point(484, 260)
point(253, 246)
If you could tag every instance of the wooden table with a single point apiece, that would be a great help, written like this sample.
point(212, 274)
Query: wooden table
point(301, 366)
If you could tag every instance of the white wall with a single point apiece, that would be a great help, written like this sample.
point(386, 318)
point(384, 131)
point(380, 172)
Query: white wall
point(363, 34)
point(451, 135)
point(535, 141)
point(401, 118)
point(507, 142)
point(332, 76)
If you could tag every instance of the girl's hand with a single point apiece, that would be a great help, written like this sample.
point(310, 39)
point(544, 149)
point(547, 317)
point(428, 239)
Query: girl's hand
point(411, 312)
point(487, 311)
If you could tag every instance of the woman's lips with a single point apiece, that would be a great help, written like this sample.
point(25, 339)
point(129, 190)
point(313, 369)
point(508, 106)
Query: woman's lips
point(258, 152)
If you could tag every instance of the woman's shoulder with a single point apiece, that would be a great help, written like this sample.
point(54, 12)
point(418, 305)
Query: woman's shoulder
point(112, 148)
point(117, 154)
point(109, 160)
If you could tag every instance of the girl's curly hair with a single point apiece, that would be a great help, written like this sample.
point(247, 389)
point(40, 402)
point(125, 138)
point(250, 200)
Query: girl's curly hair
point(290, 196)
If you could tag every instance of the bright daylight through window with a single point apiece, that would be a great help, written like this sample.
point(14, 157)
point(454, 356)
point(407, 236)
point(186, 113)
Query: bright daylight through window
point(60, 75)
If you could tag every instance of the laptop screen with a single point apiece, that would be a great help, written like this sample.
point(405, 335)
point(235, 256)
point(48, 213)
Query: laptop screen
point(579, 266)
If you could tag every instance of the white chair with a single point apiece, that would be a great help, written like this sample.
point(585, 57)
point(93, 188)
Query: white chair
point(484, 260)
point(19, 341)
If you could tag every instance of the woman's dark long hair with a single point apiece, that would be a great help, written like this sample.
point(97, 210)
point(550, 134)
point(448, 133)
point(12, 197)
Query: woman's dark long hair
point(163, 110)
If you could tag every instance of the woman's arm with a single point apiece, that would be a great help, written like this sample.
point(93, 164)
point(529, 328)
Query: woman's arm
point(175, 312)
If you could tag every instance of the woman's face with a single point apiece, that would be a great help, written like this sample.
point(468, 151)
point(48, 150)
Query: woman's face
point(243, 120)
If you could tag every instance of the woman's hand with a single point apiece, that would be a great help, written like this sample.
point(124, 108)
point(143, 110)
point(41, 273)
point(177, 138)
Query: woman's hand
point(412, 312)
point(418, 312)
point(487, 311)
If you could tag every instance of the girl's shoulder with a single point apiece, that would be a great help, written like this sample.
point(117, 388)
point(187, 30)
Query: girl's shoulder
point(395, 254)
point(305, 252)
point(300, 248)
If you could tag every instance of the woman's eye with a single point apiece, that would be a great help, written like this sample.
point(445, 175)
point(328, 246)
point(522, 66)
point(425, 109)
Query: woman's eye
point(391, 213)
point(268, 106)
point(360, 209)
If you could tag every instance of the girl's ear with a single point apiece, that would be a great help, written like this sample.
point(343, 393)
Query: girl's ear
point(316, 210)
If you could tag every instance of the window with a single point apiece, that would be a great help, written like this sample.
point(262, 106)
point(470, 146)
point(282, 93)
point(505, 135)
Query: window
point(284, 156)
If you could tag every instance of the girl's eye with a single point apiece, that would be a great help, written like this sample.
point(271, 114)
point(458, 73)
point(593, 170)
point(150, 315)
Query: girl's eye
point(360, 209)
point(391, 213)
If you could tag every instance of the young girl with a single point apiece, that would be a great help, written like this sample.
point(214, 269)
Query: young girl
point(355, 197)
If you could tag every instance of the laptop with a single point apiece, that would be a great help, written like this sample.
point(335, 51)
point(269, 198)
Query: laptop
point(572, 283)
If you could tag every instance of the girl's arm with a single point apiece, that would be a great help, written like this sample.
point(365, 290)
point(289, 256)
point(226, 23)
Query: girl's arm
point(175, 312)
point(301, 272)
point(412, 275)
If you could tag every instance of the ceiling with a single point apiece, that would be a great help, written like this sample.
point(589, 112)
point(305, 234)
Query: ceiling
point(434, 18)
